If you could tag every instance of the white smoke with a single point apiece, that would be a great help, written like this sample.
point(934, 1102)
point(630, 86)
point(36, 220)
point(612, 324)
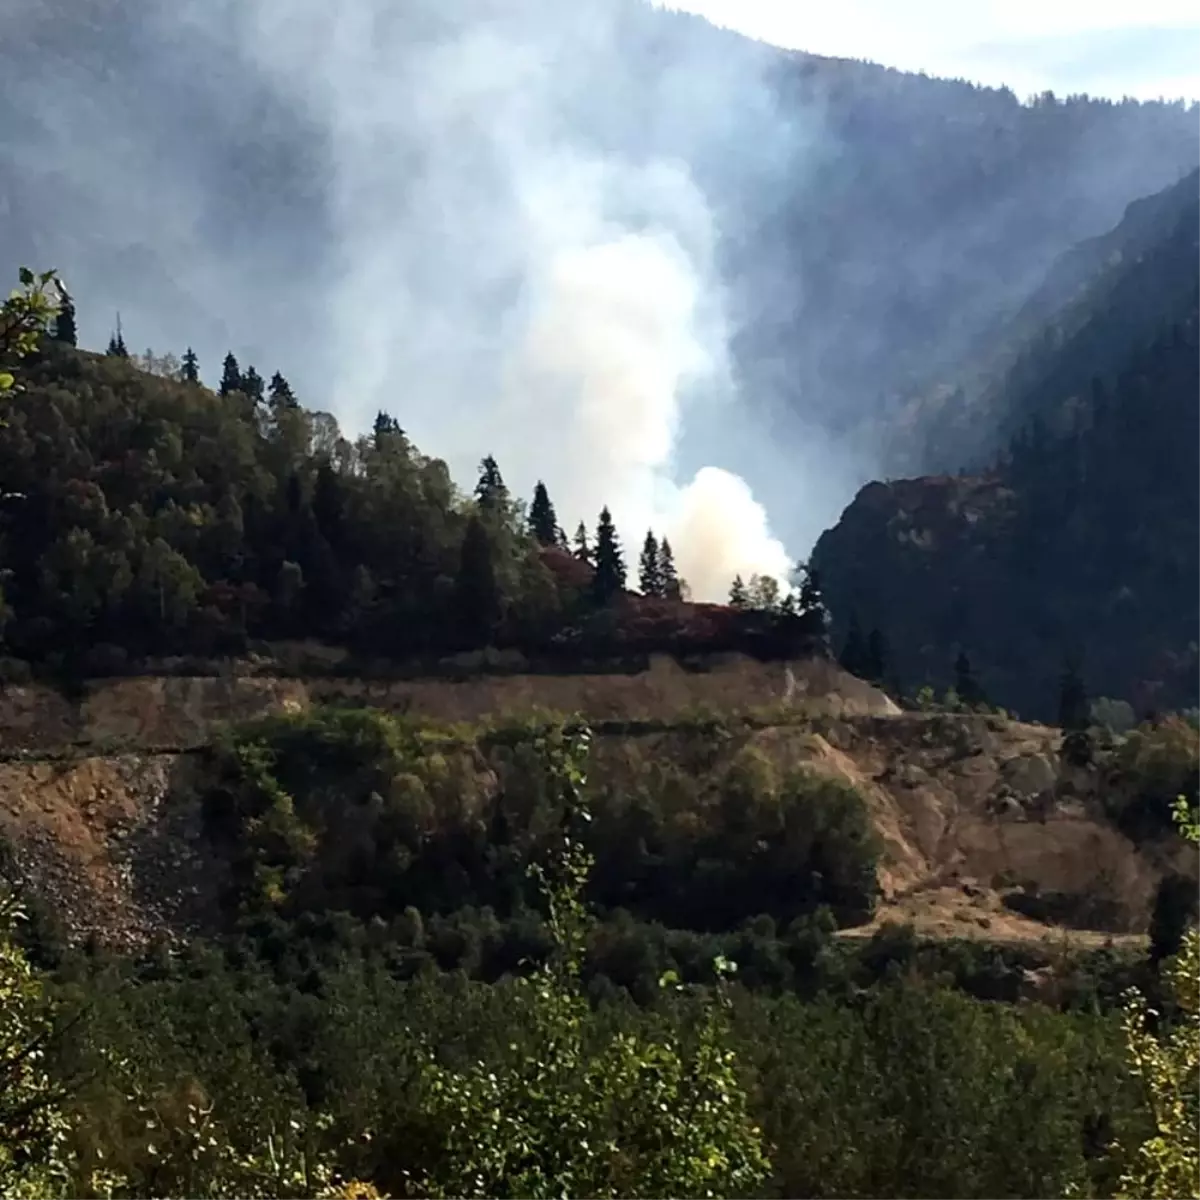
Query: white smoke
point(507, 289)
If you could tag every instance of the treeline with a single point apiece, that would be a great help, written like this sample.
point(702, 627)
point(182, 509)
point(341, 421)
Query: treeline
point(145, 515)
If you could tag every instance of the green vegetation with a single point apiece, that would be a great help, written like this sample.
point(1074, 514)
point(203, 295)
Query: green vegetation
point(343, 811)
point(25, 317)
point(146, 516)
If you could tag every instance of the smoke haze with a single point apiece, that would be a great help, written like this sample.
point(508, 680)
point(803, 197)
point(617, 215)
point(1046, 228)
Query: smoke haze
point(492, 271)
point(507, 226)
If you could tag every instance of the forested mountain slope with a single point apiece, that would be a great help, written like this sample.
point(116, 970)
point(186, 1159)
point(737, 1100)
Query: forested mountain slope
point(1081, 539)
point(870, 224)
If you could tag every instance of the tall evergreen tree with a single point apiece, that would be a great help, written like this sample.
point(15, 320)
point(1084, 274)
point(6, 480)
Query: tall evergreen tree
point(191, 367)
point(231, 376)
point(477, 591)
point(876, 663)
point(582, 549)
point(609, 579)
point(965, 683)
point(543, 521)
point(253, 386)
point(280, 393)
point(672, 588)
point(116, 343)
point(738, 597)
point(1073, 711)
point(812, 601)
point(64, 323)
point(491, 492)
point(649, 577)
point(853, 657)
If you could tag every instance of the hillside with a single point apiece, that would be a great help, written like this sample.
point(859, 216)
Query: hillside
point(982, 832)
point(870, 225)
point(1082, 538)
point(148, 516)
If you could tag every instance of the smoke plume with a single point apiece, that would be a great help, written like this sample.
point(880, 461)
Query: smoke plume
point(535, 297)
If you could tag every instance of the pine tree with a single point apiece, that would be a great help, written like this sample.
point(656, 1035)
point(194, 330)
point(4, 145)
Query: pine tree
point(672, 588)
point(582, 550)
point(812, 601)
point(965, 683)
point(1073, 710)
point(543, 521)
point(477, 591)
point(491, 492)
point(738, 597)
point(649, 578)
point(280, 392)
point(609, 579)
point(853, 657)
point(253, 386)
point(191, 367)
point(116, 343)
point(231, 376)
point(877, 657)
point(64, 323)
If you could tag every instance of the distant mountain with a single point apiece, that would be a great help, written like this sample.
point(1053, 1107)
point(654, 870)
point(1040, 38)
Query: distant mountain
point(872, 225)
point(1084, 536)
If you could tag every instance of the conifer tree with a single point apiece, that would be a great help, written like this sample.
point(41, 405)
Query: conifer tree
point(738, 597)
point(116, 343)
point(649, 578)
point(877, 656)
point(853, 657)
point(231, 376)
point(64, 323)
point(672, 588)
point(1072, 698)
point(491, 492)
point(543, 521)
point(253, 386)
point(280, 393)
point(965, 683)
point(582, 549)
point(609, 579)
point(812, 601)
point(191, 367)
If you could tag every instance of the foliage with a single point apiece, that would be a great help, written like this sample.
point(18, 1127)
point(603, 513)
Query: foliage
point(358, 812)
point(24, 318)
point(1146, 773)
point(156, 518)
point(1164, 1055)
point(627, 1117)
point(33, 1125)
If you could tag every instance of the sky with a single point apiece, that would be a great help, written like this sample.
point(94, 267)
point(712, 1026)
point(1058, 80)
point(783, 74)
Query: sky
point(1110, 48)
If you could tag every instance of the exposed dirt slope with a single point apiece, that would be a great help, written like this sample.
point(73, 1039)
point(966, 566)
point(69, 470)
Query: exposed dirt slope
point(971, 811)
point(174, 713)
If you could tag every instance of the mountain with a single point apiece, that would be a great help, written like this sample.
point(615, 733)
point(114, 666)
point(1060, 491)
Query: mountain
point(1082, 538)
point(870, 225)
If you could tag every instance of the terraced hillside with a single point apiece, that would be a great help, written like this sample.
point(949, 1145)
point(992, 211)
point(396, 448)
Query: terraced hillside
point(983, 830)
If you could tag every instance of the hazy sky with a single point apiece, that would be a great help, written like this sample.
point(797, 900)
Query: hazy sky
point(1103, 47)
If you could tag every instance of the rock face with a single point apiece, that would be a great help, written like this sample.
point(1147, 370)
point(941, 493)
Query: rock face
point(917, 558)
